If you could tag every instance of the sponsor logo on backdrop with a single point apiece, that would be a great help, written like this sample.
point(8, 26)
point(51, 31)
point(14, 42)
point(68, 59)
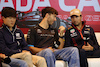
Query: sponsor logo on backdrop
point(63, 4)
point(92, 17)
point(88, 18)
point(90, 9)
point(96, 17)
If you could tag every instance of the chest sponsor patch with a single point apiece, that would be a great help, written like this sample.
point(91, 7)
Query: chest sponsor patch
point(39, 31)
point(46, 35)
point(52, 31)
point(72, 30)
point(73, 34)
point(18, 36)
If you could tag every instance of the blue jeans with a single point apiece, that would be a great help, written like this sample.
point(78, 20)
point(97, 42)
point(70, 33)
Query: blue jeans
point(18, 63)
point(69, 54)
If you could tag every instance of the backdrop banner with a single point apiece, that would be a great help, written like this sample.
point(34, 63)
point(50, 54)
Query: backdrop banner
point(27, 10)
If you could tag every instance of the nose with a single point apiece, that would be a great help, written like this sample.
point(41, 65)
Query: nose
point(12, 20)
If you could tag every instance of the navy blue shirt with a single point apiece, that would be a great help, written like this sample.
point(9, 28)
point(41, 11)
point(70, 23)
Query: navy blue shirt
point(12, 42)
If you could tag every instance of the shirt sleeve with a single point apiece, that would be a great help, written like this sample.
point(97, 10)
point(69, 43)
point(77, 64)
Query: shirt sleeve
point(93, 40)
point(31, 37)
point(56, 39)
point(24, 45)
point(68, 39)
point(4, 49)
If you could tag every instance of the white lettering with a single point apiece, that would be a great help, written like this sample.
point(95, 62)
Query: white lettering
point(92, 18)
point(40, 4)
point(93, 3)
point(96, 17)
point(23, 8)
point(88, 18)
point(60, 16)
point(6, 4)
point(65, 17)
point(64, 7)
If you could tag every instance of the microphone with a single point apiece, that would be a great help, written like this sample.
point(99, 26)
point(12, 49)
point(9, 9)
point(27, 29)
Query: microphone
point(86, 36)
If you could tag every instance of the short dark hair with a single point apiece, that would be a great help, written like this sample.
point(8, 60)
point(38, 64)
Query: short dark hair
point(49, 10)
point(8, 12)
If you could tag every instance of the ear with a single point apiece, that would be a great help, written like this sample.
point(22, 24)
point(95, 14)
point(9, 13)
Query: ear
point(46, 15)
point(3, 17)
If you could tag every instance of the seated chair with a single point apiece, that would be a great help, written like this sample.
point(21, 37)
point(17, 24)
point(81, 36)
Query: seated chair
point(95, 62)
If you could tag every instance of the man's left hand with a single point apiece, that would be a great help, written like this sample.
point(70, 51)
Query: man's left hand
point(88, 47)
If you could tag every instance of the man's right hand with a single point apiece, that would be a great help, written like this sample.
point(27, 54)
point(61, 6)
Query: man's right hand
point(2, 56)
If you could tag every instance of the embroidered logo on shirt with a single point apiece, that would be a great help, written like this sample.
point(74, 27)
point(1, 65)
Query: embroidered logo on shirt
point(39, 31)
point(86, 34)
point(73, 33)
point(88, 29)
point(72, 30)
point(52, 31)
point(87, 25)
point(18, 36)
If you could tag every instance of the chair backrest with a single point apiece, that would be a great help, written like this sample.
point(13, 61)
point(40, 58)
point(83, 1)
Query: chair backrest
point(98, 37)
point(25, 36)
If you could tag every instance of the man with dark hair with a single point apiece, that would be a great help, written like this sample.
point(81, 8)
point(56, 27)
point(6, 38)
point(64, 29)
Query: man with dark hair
point(83, 37)
point(12, 42)
point(45, 41)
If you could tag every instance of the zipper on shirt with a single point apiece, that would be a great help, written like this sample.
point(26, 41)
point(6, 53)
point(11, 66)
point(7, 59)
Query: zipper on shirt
point(18, 43)
point(80, 31)
point(12, 33)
